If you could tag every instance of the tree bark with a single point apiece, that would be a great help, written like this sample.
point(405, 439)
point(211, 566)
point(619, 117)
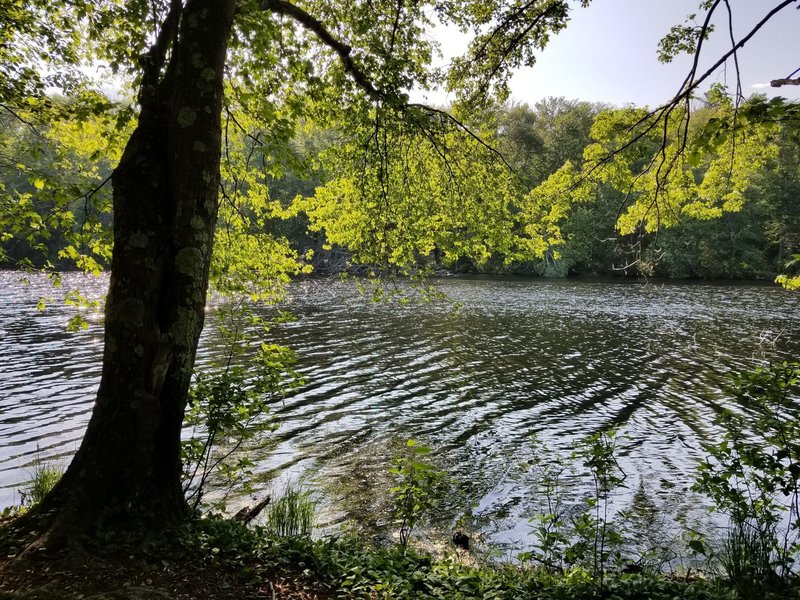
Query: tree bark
point(126, 473)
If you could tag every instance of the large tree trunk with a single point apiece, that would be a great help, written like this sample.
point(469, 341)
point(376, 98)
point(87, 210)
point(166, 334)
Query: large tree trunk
point(126, 472)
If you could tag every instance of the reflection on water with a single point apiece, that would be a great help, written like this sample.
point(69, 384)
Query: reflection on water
point(561, 358)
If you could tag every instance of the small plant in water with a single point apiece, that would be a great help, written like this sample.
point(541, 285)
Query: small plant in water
point(293, 514)
point(597, 453)
point(229, 406)
point(419, 486)
point(549, 525)
point(585, 539)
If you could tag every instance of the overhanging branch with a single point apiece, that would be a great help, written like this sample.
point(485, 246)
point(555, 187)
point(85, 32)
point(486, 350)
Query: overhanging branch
point(344, 51)
point(692, 85)
point(310, 22)
point(659, 115)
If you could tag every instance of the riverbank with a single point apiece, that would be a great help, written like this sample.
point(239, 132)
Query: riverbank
point(209, 558)
point(223, 559)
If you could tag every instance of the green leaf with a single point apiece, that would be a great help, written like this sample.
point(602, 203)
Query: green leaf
point(697, 547)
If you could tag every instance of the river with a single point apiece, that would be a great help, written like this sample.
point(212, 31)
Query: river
point(472, 377)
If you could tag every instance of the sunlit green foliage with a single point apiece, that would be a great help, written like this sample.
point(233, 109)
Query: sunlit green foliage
point(54, 202)
point(447, 194)
point(708, 197)
point(683, 39)
point(36, 33)
point(789, 282)
point(399, 186)
point(662, 182)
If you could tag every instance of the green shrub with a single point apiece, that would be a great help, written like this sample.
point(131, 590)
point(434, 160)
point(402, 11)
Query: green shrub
point(753, 477)
point(419, 486)
point(228, 406)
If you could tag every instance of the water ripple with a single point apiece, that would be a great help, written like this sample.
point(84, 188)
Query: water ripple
point(560, 358)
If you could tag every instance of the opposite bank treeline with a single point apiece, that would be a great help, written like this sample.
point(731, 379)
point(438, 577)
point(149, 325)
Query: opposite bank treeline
point(56, 206)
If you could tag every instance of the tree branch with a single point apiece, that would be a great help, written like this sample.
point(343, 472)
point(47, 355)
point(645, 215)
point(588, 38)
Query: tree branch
point(343, 50)
point(310, 22)
point(505, 23)
point(661, 114)
point(153, 60)
point(512, 44)
point(691, 83)
point(443, 114)
point(776, 83)
point(22, 120)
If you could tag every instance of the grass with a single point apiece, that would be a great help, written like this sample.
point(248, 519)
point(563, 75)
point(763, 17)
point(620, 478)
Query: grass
point(44, 476)
point(292, 515)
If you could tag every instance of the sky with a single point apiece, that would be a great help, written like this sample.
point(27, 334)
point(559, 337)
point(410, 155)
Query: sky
point(607, 53)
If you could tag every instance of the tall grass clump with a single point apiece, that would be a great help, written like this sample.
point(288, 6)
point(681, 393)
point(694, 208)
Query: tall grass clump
point(292, 515)
point(44, 476)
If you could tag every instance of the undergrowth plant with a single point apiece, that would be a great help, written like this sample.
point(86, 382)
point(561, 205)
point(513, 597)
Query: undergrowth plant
point(753, 476)
point(572, 536)
point(419, 486)
point(228, 405)
point(351, 568)
point(594, 529)
point(578, 552)
point(550, 524)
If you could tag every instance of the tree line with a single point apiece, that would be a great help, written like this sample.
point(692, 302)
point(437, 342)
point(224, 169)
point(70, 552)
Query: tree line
point(57, 207)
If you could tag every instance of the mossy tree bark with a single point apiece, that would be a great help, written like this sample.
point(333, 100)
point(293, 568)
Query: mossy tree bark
point(126, 472)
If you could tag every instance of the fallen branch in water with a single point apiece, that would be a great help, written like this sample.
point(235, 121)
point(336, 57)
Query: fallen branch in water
point(247, 514)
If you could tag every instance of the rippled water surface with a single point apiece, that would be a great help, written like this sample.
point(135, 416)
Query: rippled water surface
point(562, 358)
